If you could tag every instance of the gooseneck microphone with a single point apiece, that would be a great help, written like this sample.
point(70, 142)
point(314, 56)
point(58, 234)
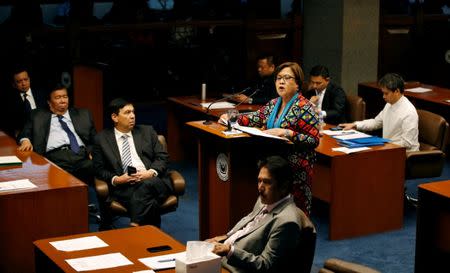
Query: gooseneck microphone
point(248, 97)
point(207, 122)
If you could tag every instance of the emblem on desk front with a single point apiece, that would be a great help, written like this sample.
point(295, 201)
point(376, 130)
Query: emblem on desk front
point(222, 166)
point(447, 56)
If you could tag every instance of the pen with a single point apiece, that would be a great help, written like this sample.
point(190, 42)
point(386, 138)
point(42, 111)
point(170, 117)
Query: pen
point(166, 260)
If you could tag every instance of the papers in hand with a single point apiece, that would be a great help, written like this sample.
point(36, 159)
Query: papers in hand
point(256, 132)
point(218, 105)
point(83, 243)
point(9, 160)
point(99, 262)
point(418, 90)
point(162, 261)
point(21, 184)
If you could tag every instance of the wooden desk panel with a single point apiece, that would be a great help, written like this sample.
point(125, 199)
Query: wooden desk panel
point(131, 242)
point(180, 141)
point(58, 206)
point(433, 226)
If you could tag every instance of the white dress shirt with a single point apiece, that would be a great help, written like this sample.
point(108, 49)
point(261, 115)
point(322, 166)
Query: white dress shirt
point(57, 137)
point(30, 98)
point(321, 95)
point(400, 124)
point(135, 159)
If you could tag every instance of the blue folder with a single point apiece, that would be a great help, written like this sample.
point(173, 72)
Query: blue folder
point(363, 142)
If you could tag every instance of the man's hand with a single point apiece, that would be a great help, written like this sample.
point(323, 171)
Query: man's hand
point(124, 178)
point(347, 126)
point(25, 146)
point(314, 99)
point(143, 175)
point(221, 249)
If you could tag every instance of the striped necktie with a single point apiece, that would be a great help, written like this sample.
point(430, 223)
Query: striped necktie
point(126, 153)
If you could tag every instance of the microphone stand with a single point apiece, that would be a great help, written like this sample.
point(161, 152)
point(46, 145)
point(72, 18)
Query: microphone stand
point(208, 122)
point(248, 97)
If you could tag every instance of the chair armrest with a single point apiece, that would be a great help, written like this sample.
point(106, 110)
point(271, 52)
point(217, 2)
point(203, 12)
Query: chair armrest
point(101, 187)
point(425, 155)
point(179, 184)
point(337, 265)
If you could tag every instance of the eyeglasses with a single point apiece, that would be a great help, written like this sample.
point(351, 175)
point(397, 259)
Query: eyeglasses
point(285, 78)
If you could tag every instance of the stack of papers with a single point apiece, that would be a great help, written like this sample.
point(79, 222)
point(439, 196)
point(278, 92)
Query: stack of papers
point(10, 160)
point(418, 90)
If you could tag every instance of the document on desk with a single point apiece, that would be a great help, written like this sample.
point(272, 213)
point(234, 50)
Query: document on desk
point(350, 150)
point(218, 105)
point(351, 135)
point(162, 261)
point(21, 184)
point(418, 90)
point(82, 243)
point(99, 262)
point(10, 160)
point(256, 132)
point(339, 133)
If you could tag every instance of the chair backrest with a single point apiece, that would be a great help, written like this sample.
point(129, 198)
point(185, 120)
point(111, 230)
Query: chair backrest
point(433, 131)
point(356, 108)
point(307, 244)
point(163, 142)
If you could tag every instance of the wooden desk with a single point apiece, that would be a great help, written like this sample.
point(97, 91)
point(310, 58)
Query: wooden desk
point(131, 242)
point(433, 101)
point(58, 206)
point(364, 189)
point(180, 142)
point(433, 227)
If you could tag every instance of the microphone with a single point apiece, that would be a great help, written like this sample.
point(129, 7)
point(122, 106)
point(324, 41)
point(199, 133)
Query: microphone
point(249, 96)
point(208, 122)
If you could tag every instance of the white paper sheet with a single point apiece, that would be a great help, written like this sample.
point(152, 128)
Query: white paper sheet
point(162, 261)
point(83, 243)
point(145, 271)
point(350, 150)
point(256, 132)
point(218, 105)
point(14, 185)
point(418, 90)
point(339, 133)
point(99, 262)
point(9, 160)
point(353, 135)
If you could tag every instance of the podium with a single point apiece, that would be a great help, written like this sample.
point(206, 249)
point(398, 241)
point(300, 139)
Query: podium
point(228, 174)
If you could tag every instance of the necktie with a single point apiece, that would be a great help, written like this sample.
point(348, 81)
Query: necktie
point(26, 103)
point(126, 154)
point(73, 140)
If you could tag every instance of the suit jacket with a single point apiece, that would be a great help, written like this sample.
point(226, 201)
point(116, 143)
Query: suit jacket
point(270, 246)
point(334, 103)
point(106, 155)
point(267, 90)
point(15, 110)
point(37, 128)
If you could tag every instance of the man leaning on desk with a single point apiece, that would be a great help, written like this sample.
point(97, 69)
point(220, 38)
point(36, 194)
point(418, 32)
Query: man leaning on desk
point(266, 240)
point(398, 119)
point(63, 135)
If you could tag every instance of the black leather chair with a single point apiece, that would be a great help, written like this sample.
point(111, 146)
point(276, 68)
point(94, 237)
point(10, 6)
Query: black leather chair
point(356, 108)
point(334, 265)
point(307, 245)
point(110, 208)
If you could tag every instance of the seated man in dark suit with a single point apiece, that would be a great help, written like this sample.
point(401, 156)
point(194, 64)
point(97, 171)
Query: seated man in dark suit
point(63, 135)
point(19, 102)
point(136, 148)
point(264, 89)
point(329, 98)
point(266, 240)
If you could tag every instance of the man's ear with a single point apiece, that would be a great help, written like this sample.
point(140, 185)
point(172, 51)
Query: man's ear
point(114, 117)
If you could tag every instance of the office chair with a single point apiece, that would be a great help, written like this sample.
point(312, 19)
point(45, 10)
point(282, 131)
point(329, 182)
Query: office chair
point(109, 207)
point(356, 108)
point(430, 159)
point(307, 245)
point(334, 265)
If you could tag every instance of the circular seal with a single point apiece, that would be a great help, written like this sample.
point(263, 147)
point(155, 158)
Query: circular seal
point(222, 166)
point(447, 56)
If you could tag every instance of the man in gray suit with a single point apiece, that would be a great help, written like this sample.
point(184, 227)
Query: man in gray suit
point(266, 240)
point(133, 162)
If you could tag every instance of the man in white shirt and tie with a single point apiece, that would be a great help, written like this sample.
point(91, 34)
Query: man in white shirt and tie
point(131, 159)
point(267, 239)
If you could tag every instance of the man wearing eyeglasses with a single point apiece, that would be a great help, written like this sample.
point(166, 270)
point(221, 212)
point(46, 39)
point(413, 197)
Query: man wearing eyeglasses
point(330, 99)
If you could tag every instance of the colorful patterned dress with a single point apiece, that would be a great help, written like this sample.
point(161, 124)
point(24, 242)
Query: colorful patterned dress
point(304, 122)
